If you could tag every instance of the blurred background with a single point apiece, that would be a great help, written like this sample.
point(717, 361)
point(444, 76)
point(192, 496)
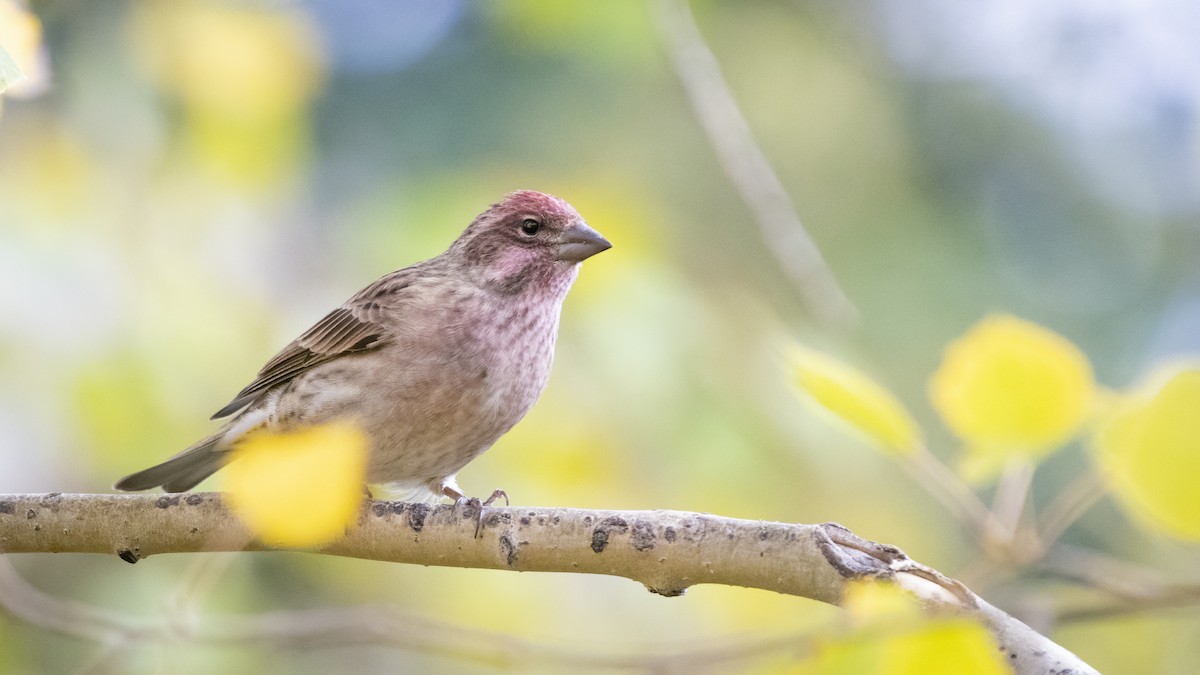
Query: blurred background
point(186, 185)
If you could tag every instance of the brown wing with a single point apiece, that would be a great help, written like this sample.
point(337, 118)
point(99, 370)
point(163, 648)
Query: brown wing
point(353, 327)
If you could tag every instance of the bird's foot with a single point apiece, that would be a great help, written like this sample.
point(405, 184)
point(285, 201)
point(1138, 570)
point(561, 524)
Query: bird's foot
point(496, 494)
point(474, 504)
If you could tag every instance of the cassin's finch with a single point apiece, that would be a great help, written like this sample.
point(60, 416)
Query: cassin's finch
point(434, 362)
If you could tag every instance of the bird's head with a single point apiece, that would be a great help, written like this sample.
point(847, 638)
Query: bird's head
point(528, 239)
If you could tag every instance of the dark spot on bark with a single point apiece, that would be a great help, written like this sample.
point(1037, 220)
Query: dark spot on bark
point(379, 509)
point(557, 520)
point(416, 516)
point(541, 521)
point(508, 549)
point(195, 530)
point(1012, 655)
point(193, 499)
point(164, 501)
point(128, 556)
point(601, 534)
point(587, 520)
point(525, 520)
point(395, 507)
point(7, 507)
point(494, 519)
point(642, 537)
point(599, 540)
point(667, 592)
point(669, 534)
point(763, 534)
point(52, 498)
point(37, 528)
point(473, 509)
point(30, 514)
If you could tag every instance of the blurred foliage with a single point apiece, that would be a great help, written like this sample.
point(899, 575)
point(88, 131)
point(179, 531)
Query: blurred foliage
point(1150, 449)
point(855, 398)
point(9, 72)
point(191, 184)
point(1009, 388)
point(1015, 393)
point(299, 489)
point(24, 71)
point(890, 635)
point(243, 76)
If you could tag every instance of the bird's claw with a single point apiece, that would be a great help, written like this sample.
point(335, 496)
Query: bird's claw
point(469, 504)
point(496, 494)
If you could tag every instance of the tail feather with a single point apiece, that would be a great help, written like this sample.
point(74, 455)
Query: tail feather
point(182, 472)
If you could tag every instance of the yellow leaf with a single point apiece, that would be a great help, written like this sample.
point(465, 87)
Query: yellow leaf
point(869, 601)
point(943, 647)
point(1150, 449)
point(298, 489)
point(238, 61)
point(856, 399)
point(892, 636)
point(1012, 387)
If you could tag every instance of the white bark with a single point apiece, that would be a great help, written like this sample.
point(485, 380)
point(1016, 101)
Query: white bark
point(667, 551)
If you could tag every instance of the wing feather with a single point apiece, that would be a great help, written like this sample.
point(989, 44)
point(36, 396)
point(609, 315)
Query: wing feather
point(354, 327)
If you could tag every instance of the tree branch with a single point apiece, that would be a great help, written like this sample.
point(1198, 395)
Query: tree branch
point(748, 168)
point(667, 551)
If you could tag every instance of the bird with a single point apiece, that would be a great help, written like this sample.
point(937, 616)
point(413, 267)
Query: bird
point(434, 362)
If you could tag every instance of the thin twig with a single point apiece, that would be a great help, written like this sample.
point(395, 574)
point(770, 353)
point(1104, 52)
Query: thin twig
point(943, 483)
point(1012, 494)
point(1071, 504)
point(1183, 596)
point(377, 625)
point(1133, 588)
point(69, 617)
point(1117, 577)
point(748, 168)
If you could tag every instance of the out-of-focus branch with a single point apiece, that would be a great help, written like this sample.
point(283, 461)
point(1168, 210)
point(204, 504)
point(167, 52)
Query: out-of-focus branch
point(667, 551)
point(347, 626)
point(1071, 504)
point(747, 166)
point(1131, 588)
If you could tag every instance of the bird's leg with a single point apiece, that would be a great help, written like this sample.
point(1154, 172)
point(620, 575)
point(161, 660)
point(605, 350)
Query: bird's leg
point(453, 493)
point(474, 503)
point(467, 503)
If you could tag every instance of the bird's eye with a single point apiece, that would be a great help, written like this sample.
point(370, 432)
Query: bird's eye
point(530, 227)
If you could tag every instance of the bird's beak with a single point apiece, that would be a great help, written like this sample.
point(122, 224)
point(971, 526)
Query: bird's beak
point(580, 242)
